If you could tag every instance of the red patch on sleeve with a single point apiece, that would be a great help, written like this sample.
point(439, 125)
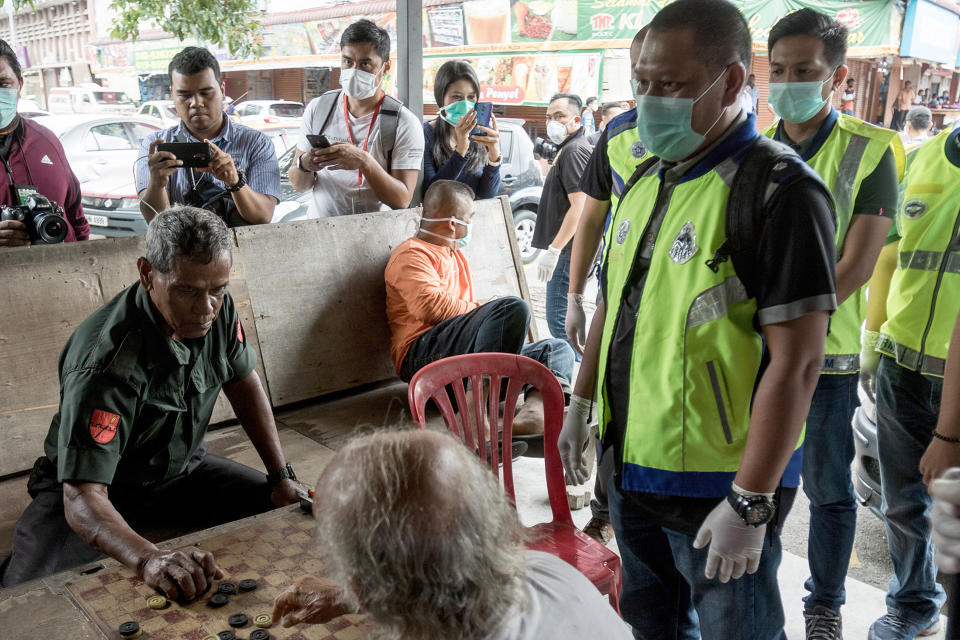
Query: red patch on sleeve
point(239, 331)
point(103, 426)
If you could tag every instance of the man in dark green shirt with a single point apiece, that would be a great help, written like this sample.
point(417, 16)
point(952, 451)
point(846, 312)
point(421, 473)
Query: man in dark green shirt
point(138, 382)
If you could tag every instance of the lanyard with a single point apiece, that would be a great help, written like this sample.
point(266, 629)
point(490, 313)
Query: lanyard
point(373, 121)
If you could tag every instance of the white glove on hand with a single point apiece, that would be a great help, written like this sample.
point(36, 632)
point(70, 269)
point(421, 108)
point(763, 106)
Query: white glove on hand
point(945, 517)
point(735, 546)
point(574, 439)
point(869, 362)
point(548, 264)
point(576, 322)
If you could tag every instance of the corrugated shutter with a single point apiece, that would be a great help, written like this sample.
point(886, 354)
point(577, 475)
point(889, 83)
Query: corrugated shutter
point(288, 84)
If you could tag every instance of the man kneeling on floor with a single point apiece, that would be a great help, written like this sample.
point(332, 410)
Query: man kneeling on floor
point(138, 382)
point(432, 310)
point(417, 534)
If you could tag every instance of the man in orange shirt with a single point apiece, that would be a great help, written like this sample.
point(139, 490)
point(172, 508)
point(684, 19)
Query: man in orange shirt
point(903, 104)
point(434, 314)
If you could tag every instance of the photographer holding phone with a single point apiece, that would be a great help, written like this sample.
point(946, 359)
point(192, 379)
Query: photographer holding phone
point(454, 151)
point(241, 181)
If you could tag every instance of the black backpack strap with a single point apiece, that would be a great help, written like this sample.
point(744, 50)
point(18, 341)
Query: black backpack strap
point(767, 167)
point(328, 104)
point(389, 121)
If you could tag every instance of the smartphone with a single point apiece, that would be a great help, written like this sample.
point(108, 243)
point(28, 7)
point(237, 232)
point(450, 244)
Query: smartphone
point(318, 141)
point(192, 154)
point(484, 110)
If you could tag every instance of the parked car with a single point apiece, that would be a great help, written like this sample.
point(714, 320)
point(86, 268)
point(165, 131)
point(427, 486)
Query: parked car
point(112, 207)
point(100, 145)
point(254, 112)
point(866, 463)
point(162, 110)
point(89, 98)
point(282, 135)
point(28, 108)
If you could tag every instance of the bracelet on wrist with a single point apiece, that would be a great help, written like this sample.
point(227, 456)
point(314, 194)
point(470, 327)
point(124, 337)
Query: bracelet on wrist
point(940, 436)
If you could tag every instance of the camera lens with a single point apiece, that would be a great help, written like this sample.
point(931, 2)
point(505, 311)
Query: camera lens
point(51, 228)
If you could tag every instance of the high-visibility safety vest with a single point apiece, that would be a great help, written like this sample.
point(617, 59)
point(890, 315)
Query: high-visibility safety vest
point(924, 297)
point(851, 152)
point(624, 145)
point(696, 354)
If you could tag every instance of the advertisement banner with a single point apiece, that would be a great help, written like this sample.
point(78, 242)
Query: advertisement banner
point(529, 79)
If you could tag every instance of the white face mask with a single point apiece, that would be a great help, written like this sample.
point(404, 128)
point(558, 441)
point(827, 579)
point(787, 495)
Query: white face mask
point(556, 131)
point(358, 84)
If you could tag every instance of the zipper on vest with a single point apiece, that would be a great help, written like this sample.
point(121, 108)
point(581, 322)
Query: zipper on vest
point(718, 396)
point(936, 290)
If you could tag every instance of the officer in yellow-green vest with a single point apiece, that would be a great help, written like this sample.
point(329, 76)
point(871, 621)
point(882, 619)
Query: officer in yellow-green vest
point(702, 426)
point(904, 353)
point(859, 164)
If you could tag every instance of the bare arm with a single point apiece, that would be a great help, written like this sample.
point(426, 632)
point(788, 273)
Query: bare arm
point(302, 179)
point(161, 164)
point(395, 189)
point(571, 220)
point(255, 208)
point(782, 399)
point(89, 512)
point(861, 248)
point(941, 454)
point(586, 241)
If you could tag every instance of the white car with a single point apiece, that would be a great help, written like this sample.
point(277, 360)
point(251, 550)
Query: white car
point(161, 110)
point(258, 112)
point(99, 146)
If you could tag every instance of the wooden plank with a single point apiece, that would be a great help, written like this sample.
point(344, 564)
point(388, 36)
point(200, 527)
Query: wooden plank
point(319, 299)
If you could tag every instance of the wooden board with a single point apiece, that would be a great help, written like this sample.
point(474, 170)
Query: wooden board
point(319, 299)
point(275, 549)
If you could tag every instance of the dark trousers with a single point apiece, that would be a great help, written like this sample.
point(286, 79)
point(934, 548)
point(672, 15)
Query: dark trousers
point(499, 326)
point(212, 491)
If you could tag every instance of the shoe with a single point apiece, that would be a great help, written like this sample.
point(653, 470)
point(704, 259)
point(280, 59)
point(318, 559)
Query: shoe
point(823, 623)
point(891, 627)
point(600, 530)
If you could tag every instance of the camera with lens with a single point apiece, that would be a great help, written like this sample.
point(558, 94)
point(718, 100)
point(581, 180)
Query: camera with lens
point(545, 149)
point(43, 218)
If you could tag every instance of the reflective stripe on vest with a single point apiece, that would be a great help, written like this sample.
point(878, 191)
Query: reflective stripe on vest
point(851, 152)
point(924, 297)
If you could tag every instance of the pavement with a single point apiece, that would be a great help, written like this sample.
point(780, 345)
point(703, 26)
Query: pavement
point(870, 566)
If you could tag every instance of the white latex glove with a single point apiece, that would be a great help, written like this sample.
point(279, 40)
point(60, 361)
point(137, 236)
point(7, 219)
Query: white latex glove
point(869, 362)
point(547, 264)
point(945, 517)
point(574, 439)
point(735, 546)
point(576, 322)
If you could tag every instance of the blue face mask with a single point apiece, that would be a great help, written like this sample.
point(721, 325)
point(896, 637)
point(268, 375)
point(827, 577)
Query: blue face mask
point(8, 106)
point(465, 240)
point(453, 112)
point(665, 125)
point(798, 101)
point(461, 242)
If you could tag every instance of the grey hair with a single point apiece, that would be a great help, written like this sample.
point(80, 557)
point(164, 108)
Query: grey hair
point(920, 118)
point(420, 535)
point(190, 232)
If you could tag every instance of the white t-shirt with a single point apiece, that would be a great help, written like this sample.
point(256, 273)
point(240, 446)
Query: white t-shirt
point(336, 191)
point(562, 604)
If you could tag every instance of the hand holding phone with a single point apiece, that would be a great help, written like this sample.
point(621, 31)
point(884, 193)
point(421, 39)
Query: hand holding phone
point(191, 154)
point(483, 110)
point(318, 141)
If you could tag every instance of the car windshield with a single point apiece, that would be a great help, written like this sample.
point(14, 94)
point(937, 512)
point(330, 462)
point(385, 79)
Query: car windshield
point(287, 110)
point(170, 110)
point(112, 97)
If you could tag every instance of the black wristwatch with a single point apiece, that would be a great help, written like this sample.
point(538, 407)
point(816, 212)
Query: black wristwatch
point(755, 510)
point(241, 182)
point(283, 473)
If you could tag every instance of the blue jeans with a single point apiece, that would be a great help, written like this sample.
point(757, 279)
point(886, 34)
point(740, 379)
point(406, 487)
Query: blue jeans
point(665, 595)
point(907, 408)
point(556, 301)
point(828, 452)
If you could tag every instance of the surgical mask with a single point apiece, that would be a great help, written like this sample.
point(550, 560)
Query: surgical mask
point(798, 101)
point(665, 125)
point(8, 106)
point(461, 242)
point(358, 84)
point(453, 112)
point(556, 131)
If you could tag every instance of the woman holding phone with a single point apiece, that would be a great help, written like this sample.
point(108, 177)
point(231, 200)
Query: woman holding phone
point(457, 146)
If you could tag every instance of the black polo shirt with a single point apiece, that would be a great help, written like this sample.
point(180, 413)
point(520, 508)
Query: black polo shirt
point(562, 180)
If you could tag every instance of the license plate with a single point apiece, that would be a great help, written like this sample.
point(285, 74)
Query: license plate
point(97, 221)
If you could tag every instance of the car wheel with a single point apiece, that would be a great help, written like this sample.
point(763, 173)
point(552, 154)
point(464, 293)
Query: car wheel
point(524, 221)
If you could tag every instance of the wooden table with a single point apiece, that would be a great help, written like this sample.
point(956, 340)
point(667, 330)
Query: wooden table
point(90, 602)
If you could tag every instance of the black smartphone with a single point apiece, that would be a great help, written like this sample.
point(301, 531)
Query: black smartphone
point(484, 110)
point(318, 141)
point(192, 154)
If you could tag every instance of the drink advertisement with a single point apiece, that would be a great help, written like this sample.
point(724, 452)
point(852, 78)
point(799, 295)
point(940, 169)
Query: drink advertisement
point(525, 78)
point(446, 26)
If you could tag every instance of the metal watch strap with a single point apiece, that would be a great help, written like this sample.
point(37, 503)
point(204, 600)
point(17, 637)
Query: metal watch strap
point(742, 505)
point(241, 182)
point(283, 473)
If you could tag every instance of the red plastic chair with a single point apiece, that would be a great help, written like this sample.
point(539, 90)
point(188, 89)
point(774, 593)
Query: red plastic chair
point(559, 537)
